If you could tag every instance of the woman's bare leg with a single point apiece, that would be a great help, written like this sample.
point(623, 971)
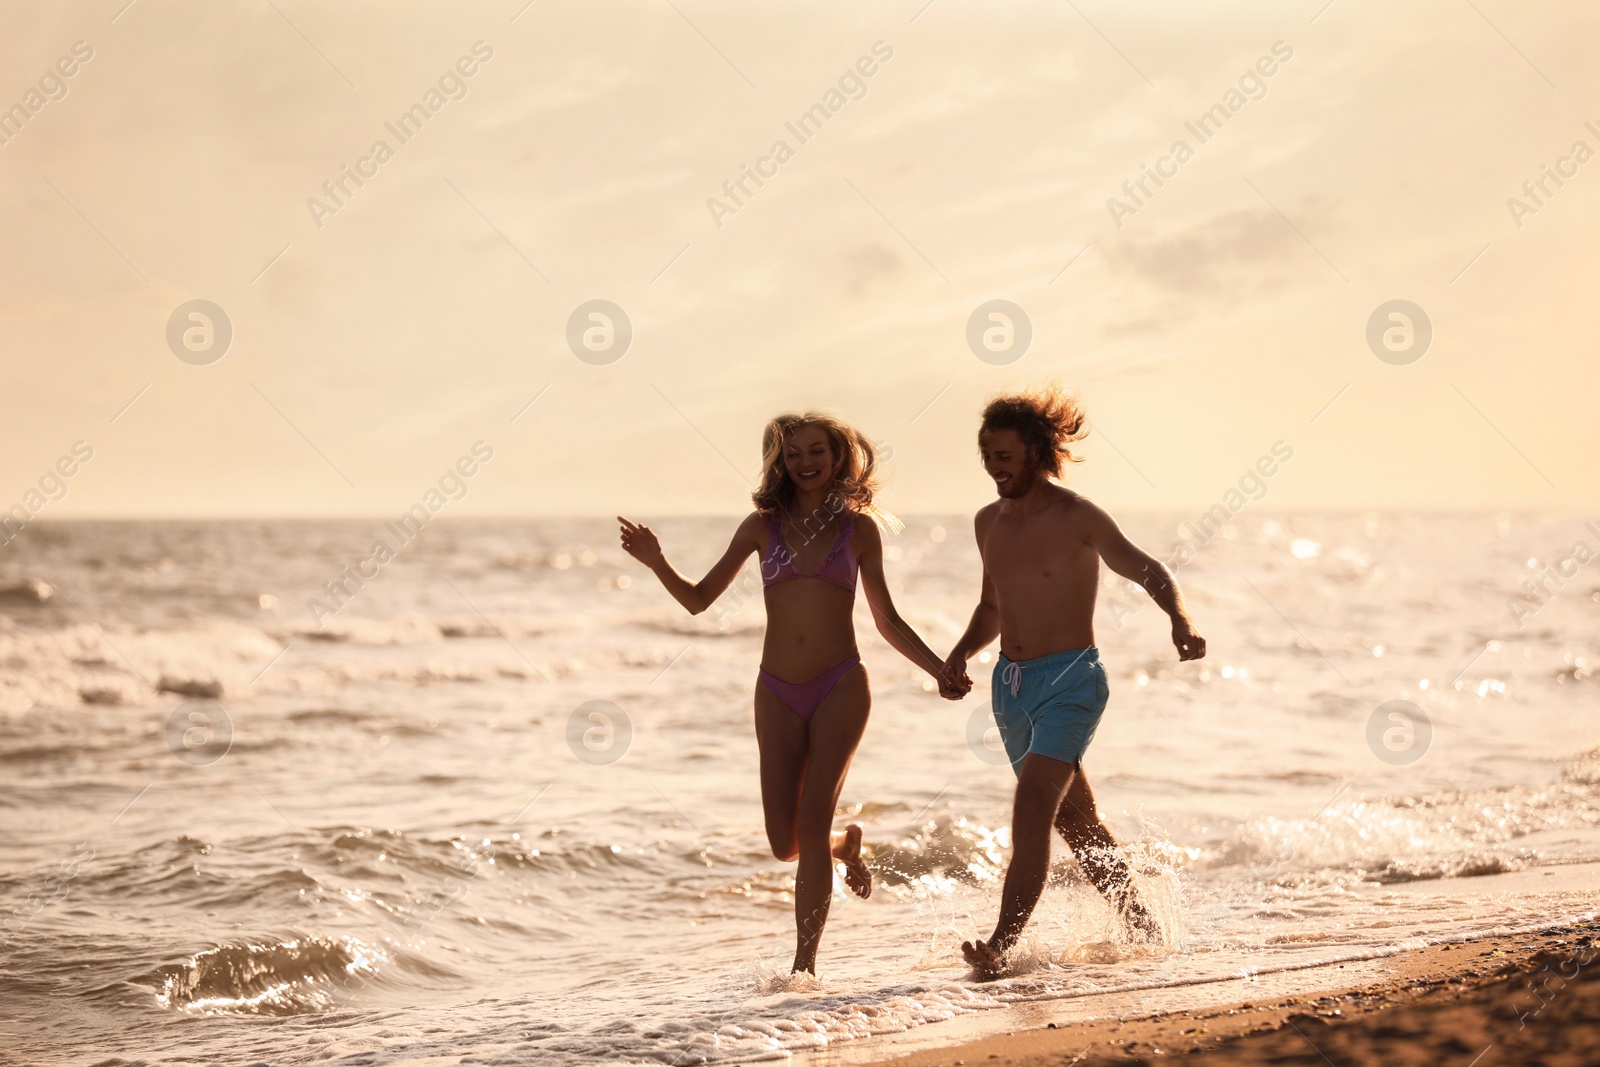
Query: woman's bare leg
point(783, 738)
point(835, 731)
point(847, 850)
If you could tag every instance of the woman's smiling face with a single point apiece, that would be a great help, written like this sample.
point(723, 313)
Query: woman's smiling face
point(809, 458)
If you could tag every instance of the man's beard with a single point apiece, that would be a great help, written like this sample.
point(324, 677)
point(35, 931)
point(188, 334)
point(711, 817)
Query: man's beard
point(1021, 482)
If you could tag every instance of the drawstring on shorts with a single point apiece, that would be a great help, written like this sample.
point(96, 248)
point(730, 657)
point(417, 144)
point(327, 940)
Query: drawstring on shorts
point(1012, 675)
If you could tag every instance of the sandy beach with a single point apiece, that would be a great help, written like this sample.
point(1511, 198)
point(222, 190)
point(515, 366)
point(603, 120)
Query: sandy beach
point(1504, 999)
point(1527, 999)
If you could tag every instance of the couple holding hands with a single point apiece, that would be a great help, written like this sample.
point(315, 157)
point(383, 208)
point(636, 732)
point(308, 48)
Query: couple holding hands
point(1041, 545)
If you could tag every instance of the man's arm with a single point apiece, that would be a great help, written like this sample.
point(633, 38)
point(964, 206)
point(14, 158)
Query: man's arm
point(983, 628)
point(1135, 564)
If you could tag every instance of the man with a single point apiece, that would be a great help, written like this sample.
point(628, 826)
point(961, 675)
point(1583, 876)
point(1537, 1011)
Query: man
point(1042, 545)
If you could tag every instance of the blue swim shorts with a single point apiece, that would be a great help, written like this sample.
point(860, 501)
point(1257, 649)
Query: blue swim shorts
point(1050, 705)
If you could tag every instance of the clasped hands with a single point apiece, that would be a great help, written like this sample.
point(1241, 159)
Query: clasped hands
point(954, 682)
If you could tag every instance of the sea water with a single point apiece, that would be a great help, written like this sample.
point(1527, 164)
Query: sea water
point(498, 798)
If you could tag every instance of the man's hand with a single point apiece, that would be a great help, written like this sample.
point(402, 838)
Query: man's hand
point(1187, 641)
point(954, 683)
point(640, 543)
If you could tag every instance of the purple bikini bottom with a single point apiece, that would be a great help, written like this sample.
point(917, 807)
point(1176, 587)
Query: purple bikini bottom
point(804, 698)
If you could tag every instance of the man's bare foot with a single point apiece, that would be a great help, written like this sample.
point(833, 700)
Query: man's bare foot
point(1141, 922)
point(848, 852)
point(984, 959)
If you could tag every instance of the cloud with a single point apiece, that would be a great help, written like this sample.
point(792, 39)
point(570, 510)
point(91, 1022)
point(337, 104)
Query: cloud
point(865, 264)
point(1229, 256)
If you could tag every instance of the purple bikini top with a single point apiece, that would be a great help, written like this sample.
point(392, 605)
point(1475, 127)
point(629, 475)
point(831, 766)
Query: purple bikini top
point(838, 566)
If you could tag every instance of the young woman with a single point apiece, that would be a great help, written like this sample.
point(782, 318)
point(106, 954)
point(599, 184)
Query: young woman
point(815, 526)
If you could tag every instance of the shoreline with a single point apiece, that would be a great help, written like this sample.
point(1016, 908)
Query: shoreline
point(1531, 995)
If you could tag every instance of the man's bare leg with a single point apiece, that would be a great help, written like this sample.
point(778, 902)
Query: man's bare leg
point(1078, 822)
point(1041, 786)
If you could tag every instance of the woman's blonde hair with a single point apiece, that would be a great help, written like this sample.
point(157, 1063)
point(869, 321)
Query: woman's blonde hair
point(855, 482)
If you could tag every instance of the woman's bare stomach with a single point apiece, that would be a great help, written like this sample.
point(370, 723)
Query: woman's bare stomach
point(809, 631)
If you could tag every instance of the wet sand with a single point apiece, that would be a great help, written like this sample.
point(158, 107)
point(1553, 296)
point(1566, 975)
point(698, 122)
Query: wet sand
point(1514, 999)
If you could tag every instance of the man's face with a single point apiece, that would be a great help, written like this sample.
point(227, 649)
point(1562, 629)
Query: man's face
point(1006, 459)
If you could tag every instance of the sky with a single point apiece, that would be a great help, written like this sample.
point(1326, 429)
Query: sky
point(1360, 153)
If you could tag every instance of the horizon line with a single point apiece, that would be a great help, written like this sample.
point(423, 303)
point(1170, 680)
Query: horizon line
point(454, 518)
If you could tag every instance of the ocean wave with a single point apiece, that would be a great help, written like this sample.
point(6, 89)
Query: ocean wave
point(749, 623)
point(329, 717)
point(548, 857)
point(1471, 865)
point(1452, 834)
point(1585, 770)
point(415, 628)
point(498, 625)
point(945, 851)
point(409, 628)
point(72, 664)
point(29, 591)
point(298, 976)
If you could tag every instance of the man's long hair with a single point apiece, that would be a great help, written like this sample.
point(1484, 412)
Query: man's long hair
point(856, 481)
point(1047, 420)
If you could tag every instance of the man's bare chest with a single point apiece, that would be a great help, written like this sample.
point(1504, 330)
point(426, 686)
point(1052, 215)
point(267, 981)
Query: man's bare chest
point(1037, 555)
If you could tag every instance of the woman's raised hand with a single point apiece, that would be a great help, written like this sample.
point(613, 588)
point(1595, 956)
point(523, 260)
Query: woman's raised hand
point(639, 541)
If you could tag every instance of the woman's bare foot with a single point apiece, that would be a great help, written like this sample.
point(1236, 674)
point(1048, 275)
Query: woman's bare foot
point(984, 959)
point(847, 850)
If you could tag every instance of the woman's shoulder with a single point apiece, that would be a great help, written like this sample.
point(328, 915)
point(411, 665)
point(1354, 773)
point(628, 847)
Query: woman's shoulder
point(863, 527)
point(756, 524)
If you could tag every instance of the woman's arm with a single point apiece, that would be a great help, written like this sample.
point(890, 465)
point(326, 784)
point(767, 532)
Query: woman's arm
point(639, 541)
point(984, 626)
point(895, 630)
